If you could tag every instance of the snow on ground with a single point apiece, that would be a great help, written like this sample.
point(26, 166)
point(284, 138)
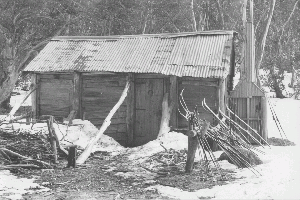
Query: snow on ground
point(12, 187)
point(17, 98)
point(287, 111)
point(280, 173)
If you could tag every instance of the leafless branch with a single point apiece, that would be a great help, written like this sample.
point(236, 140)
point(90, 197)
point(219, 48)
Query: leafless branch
point(33, 49)
point(287, 21)
point(265, 33)
point(220, 13)
point(193, 16)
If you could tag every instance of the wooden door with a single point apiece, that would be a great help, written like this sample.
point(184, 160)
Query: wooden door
point(148, 107)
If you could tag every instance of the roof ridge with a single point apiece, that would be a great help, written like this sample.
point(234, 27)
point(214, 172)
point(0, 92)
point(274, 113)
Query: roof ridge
point(161, 35)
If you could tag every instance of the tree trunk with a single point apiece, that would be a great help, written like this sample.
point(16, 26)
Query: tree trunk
point(220, 11)
point(6, 104)
point(277, 89)
point(193, 16)
point(7, 85)
point(262, 40)
point(293, 77)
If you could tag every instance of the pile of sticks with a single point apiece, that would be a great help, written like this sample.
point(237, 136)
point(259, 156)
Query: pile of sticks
point(26, 150)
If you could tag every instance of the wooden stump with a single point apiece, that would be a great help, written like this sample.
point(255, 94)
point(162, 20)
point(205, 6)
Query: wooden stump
point(193, 144)
point(72, 156)
point(192, 147)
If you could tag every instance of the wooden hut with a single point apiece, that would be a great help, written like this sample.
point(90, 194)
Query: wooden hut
point(88, 75)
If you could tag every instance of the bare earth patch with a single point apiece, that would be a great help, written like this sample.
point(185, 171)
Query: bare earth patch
point(107, 179)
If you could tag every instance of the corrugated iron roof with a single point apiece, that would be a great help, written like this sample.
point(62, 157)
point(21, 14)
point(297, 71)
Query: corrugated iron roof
point(198, 54)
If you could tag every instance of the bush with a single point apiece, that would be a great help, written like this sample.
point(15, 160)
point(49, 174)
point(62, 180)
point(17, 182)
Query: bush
point(249, 156)
point(280, 142)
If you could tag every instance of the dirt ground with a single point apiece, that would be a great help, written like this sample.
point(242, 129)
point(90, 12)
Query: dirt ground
point(116, 179)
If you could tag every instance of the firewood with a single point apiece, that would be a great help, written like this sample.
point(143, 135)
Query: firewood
point(13, 166)
point(7, 151)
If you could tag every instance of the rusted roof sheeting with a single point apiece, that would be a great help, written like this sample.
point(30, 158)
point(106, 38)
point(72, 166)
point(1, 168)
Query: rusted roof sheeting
point(197, 55)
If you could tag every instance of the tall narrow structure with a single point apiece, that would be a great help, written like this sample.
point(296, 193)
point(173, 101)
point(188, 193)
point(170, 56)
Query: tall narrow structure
point(247, 99)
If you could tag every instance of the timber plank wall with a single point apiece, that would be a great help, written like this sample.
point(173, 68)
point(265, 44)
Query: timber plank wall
point(195, 90)
point(98, 93)
point(55, 94)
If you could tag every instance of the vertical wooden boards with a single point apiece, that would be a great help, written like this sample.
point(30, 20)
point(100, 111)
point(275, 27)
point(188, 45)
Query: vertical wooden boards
point(76, 93)
point(148, 109)
point(264, 108)
point(55, 94)
point(222, 90)
point(100, 92)
point(130, 111)
point(34, 96)
point(195, 90)
point(251, 111)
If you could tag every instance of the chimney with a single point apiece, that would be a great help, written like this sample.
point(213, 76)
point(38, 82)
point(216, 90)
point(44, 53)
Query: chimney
point(250, 69)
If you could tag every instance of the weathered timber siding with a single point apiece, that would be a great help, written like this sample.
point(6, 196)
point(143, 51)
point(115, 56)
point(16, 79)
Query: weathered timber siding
point(55, 94)
point(195, 90)
point(149, 92)
point(99, 95)
point(250, 111)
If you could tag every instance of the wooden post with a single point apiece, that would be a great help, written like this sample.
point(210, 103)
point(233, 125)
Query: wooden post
point(52, 138)
point(34, 96)
point(27, 120)
point(130, 110)
point(173, 100)
point(248, 116)
point(76, 94)
point(72, 156)
point(192, 147)
point(264, 118)
point(221, 102)
point(83, 115)
point(193, 144)
point(222, 90)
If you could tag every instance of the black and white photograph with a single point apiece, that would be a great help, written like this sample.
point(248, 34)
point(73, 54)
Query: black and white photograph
point(149, 99)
